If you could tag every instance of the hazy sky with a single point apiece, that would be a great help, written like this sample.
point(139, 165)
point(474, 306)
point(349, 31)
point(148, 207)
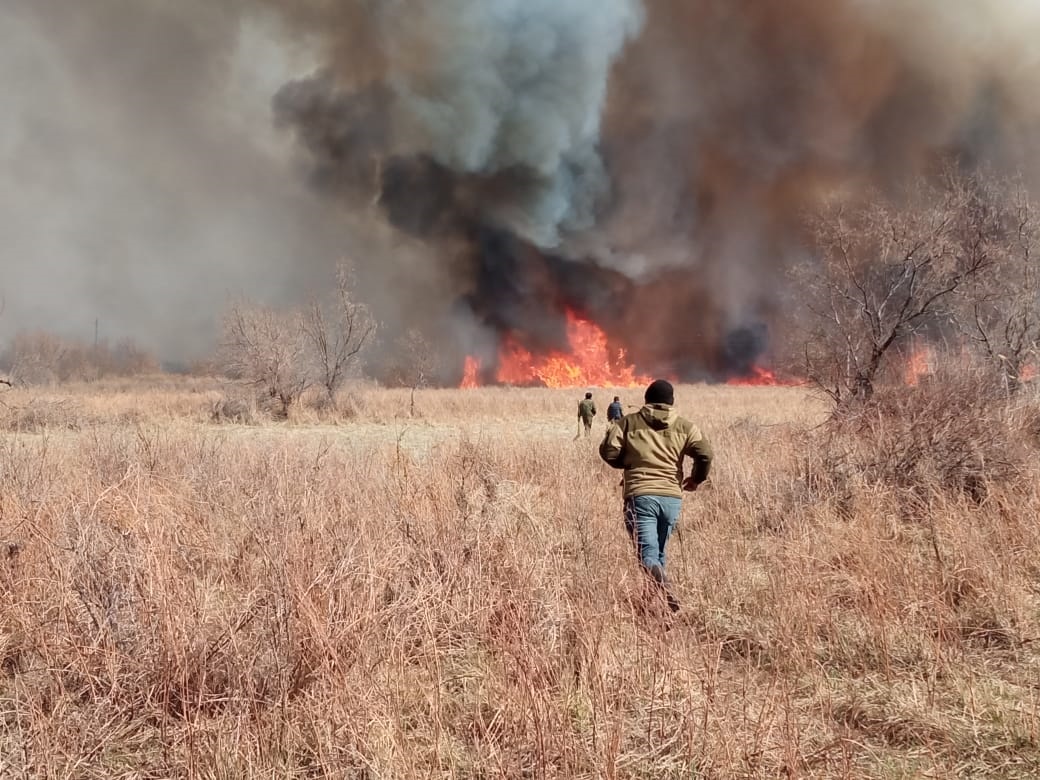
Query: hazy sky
point(142, 181)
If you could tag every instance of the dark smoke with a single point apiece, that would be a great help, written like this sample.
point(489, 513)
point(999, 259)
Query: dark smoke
point(672, 219)
point(488, 164)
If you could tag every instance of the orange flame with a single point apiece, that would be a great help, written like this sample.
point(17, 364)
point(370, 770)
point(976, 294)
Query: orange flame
point(589, 363)
point(920, 365)
point(471, 374)
point(759, 377)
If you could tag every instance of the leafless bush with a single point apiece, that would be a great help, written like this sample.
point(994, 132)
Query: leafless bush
point(337, 334)
point(125, 358)
point(234, 410)
point(266, 350)
point(884, 271)
point(420, 362)
point(953, 434)
point(41, 414)
point(999, 310)
point(37, 358)
point(43, 358)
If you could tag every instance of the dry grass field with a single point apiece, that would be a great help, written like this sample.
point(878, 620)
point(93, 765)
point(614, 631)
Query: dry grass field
point(373, 593)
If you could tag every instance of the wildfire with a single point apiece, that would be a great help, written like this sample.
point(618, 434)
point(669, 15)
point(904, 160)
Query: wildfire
point(759, 377)
point(471, 374)
point(920, 365)
point(590, 362)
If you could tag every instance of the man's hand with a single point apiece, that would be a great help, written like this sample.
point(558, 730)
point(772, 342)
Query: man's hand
point(689, 485)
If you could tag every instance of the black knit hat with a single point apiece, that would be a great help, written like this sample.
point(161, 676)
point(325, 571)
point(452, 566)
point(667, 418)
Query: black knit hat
point(660, 391)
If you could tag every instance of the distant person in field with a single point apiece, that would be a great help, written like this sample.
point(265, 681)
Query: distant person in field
point(586, 411)
point(614, 411)
point(651, 445)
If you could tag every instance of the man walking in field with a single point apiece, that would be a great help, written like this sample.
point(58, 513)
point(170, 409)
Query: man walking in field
point(614, 411)
point(586, 411)
point(651, 446)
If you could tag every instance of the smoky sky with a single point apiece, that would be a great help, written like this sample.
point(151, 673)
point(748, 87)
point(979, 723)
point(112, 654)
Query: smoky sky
point(141, 180)
point(486, 164)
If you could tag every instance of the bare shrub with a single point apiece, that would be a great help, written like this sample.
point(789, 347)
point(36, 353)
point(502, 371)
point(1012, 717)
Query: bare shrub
point(420, 363)
point(43, 358)
point(126, 358)
point(37, 358)
point(884, 271)
point(234, 410)
point(337, 334)
point(999, 310)
point(266, 350)
point(41, 414)
point(951, 435)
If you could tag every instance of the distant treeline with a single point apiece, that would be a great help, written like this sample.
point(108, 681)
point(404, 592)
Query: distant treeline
point(41, 358)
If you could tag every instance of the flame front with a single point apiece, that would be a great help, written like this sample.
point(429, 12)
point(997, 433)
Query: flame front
point(471, 374)
point(920, 365)
point(590, 362)
point(759, 377)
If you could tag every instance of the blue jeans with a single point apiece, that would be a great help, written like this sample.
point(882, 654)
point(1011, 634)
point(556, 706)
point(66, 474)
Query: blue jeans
point(649, 521)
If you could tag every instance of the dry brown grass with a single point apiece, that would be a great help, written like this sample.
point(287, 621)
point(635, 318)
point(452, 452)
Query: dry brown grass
point(369, 594)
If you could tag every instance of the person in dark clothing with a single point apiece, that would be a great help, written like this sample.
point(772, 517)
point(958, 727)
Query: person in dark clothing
point(614, 411)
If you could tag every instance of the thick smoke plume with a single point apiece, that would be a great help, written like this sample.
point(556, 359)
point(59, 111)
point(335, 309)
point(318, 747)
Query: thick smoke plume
point(487, 164)
point(671, 215)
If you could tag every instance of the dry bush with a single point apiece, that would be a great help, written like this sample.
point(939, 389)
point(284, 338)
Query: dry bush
point(42, 358)
point(267, 350)
point(884, 271)
point(281, 354)
point(36, 358)
point(998, 312)
point(40, 414)
point(954, 259)
point(125, 359)
point(955, 434)
point(337, 333)
point(234, 410)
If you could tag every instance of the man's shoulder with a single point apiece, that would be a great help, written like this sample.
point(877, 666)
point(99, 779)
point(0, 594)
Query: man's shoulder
point(686, 426)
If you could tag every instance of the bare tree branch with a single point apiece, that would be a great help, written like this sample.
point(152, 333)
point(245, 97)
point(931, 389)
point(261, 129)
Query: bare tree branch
point(264, 349)
point(883, 272)
point(338, 333)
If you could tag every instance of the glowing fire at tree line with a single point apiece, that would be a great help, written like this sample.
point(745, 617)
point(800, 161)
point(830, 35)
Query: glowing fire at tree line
point(590, 363)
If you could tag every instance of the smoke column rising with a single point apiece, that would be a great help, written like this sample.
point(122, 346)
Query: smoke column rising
point(486, 163)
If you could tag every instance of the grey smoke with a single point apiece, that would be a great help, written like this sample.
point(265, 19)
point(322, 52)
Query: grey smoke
point(649, 163)
point(141, 180)
point(506, 96)
point(513, 85)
